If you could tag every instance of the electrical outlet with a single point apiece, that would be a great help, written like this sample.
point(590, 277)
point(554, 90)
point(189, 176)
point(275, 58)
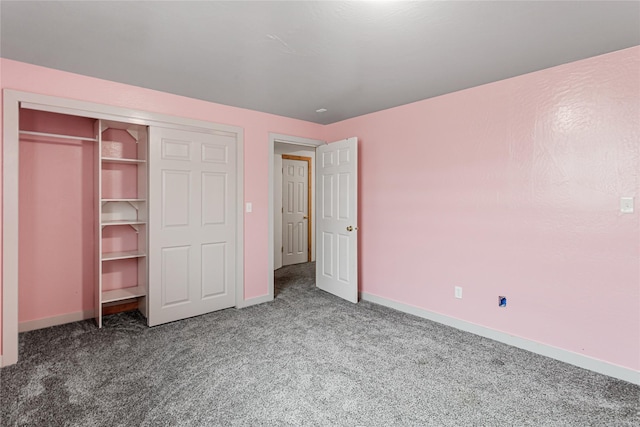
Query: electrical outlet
point(458, 292)
point(626, 204)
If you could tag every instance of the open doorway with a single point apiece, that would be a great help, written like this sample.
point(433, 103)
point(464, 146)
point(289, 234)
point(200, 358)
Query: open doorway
point(291, 207)
point(294, 221)
point(337, 174)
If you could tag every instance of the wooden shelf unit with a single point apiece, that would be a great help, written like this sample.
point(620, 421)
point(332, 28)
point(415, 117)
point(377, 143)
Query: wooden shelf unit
point(122, 189)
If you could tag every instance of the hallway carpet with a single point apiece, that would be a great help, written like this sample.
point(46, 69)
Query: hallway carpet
point(305, 359)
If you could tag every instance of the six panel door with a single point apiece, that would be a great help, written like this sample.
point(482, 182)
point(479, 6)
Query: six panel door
point(295, 211)
point(192, 223)
point(337, 218)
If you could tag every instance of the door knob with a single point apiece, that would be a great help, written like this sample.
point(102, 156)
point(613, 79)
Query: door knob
point(350, 228)
point(305, 217)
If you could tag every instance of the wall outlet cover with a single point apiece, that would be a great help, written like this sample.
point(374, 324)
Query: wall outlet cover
point(626, 204)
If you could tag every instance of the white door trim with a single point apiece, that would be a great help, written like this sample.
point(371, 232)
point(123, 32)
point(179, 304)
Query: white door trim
point(12, 100)
point(288, 139)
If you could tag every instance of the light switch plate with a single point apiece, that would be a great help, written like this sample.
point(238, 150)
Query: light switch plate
point(626, 204)
point(249, 207)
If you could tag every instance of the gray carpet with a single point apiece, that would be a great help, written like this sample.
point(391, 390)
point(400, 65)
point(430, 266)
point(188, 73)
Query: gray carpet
point(307, 358)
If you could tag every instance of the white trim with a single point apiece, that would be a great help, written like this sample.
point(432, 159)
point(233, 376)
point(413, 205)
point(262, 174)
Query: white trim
point(255, 301)
point(73, 107)
point(32, 325)
point(10, 175)
point(240, 218)
point(287, 139)
point(295, 140)
point(566, 356)
point(1, 365)
point(12, 100)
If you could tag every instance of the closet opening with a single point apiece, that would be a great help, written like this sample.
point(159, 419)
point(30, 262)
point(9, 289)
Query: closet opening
point(56, 183)
point(82, 210)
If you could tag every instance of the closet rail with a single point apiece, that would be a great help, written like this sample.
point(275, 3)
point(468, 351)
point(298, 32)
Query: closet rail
point(56, 135)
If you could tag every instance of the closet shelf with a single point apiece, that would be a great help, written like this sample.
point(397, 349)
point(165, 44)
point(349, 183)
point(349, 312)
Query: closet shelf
point(122, 222)
point(111, 256)
point(56, 135)
point(122, 160)
point(121, 294)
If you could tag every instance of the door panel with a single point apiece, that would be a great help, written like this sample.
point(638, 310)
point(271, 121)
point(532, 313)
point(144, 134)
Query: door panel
point(175, 198)
point(214, 198)
point(337, 224)
point(295, 212)
point(192, 224)
point(175, 272)
point(214, 280)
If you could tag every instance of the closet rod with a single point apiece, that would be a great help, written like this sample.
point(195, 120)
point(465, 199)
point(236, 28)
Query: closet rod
point(55, 135)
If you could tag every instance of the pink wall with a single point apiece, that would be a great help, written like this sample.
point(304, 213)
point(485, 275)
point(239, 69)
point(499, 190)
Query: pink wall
point(256, 125)
point(512, 188)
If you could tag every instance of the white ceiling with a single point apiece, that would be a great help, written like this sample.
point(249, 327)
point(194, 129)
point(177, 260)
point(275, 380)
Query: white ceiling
point(291, 58)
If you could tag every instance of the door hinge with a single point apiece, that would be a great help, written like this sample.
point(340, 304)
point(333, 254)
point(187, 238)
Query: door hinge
point(282, 249)
point(282, 209)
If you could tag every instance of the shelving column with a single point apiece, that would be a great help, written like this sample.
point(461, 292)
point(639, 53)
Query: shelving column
point(123, 215)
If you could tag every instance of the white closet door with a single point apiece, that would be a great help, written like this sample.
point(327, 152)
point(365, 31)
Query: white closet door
point(192, 223)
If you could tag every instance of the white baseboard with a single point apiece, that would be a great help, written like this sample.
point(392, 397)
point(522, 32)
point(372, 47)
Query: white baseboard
point(566, 356)
point(31, 325)
point(255, 301)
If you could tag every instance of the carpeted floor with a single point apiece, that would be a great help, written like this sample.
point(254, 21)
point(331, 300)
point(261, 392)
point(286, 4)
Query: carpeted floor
point(307, 358)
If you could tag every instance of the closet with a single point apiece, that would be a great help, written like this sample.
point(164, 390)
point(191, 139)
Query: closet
point(102, 208)
point(83, 210)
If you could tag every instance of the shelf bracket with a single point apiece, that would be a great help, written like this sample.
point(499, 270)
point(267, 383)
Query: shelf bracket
point(134, 205)
point(133, 134)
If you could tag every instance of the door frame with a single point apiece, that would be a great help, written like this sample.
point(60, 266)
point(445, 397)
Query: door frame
point(287, 139)
point(12, 100)
point(309, 193)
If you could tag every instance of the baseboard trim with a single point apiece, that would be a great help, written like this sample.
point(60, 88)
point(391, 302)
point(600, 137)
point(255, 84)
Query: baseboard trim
point(32, 325)
point(566, 356)
point(255, 301)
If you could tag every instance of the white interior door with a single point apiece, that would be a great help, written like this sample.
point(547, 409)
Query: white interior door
point(337, 218)
point(192, 223)
point(295, 211)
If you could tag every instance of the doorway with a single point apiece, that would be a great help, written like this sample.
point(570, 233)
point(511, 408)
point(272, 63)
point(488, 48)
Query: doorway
point(289, 148)
point(296, 208)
